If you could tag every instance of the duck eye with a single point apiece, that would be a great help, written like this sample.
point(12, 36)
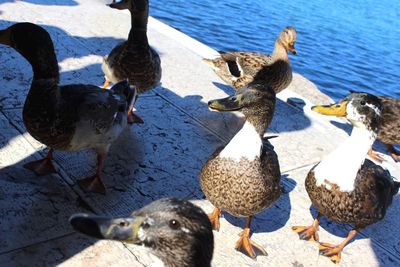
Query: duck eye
point(362, 103)
point(145, 225)
point(174, 224)
point(123, 224)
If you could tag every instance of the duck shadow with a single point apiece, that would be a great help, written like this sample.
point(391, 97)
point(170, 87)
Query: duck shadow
point(225, 88)
point(273, 218)
point(36, 208)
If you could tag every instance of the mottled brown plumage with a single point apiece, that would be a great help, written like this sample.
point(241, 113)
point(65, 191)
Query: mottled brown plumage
point(70, 117)
point(373, 192)
point(366, 198)
point(242, 188)
point(389, 131)
point(241, 68)
point(134, 59)
point(249, 185)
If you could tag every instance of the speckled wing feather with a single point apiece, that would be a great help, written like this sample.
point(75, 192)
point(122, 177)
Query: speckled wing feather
point(367, 204)
point(252, 62)
point(389, 132)
point(54, 122)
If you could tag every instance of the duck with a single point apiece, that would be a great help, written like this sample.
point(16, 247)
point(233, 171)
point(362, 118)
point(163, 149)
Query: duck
point(243, 177)
point(133, 59)
point(175, 230)
point(69, 117)
point(241, 68)
point(389, 130)
point(345, 186)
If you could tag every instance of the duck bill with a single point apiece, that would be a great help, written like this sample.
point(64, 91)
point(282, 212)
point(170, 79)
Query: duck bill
point(5, 37)
point(122, 229)
point(226, 104)
point(292, 49)
point(119, 5)
point(338, 110)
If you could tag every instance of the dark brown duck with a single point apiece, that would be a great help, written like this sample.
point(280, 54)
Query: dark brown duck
point(134, 59)
point(70, 117)
point(345, 186)
point(243, 177)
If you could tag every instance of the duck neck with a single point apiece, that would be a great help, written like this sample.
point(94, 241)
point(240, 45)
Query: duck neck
point(43, 60)
point(280, 52)
point(341, 166)
point(246, 144)
point(138, 32)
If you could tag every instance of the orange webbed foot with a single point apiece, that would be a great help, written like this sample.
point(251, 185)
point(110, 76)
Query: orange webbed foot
point(92, 184)
point(309, 233)
point(375, 156)
point(214, 218)
point(331, 251)
point(106, 84)
point(247, 245)
point(41, 167)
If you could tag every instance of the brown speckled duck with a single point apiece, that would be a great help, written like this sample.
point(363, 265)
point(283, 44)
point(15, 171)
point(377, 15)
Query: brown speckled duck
point(243, 177)
point(69, 117)
point(176, 231)
point(134, 59)
point(389, 130)
point(240, 68)
point(344, 186)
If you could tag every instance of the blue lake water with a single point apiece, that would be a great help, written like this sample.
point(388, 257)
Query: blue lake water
point(341, 44)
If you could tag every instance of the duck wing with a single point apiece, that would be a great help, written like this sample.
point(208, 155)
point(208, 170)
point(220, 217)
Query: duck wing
point(389, 133)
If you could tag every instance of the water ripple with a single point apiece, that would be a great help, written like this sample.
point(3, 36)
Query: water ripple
point(341, 44)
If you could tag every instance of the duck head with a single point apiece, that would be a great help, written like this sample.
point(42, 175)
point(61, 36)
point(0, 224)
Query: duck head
point(287, 38)
point(256, 102)
point(33, 43)
point(176, 231)
point(363, 110)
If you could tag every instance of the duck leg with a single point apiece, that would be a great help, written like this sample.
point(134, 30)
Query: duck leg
point(132, 117)
point(246, 244)
point(375, 155)
point(334, 252)
point(214, 218)
point(94, 183)
point(43, 166)
point(393, 152)
point(308, 232)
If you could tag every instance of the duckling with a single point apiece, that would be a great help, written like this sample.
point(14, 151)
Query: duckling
point(243, 178)
point(177, 232)
point(389, 130)
point(241, 68)
point(345, 186)
point(69, 117)
point(134, 59)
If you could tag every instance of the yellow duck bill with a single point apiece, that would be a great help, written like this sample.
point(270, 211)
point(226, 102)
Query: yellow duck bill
point(338, 110)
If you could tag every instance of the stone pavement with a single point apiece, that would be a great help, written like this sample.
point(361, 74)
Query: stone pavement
point(160, 158)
